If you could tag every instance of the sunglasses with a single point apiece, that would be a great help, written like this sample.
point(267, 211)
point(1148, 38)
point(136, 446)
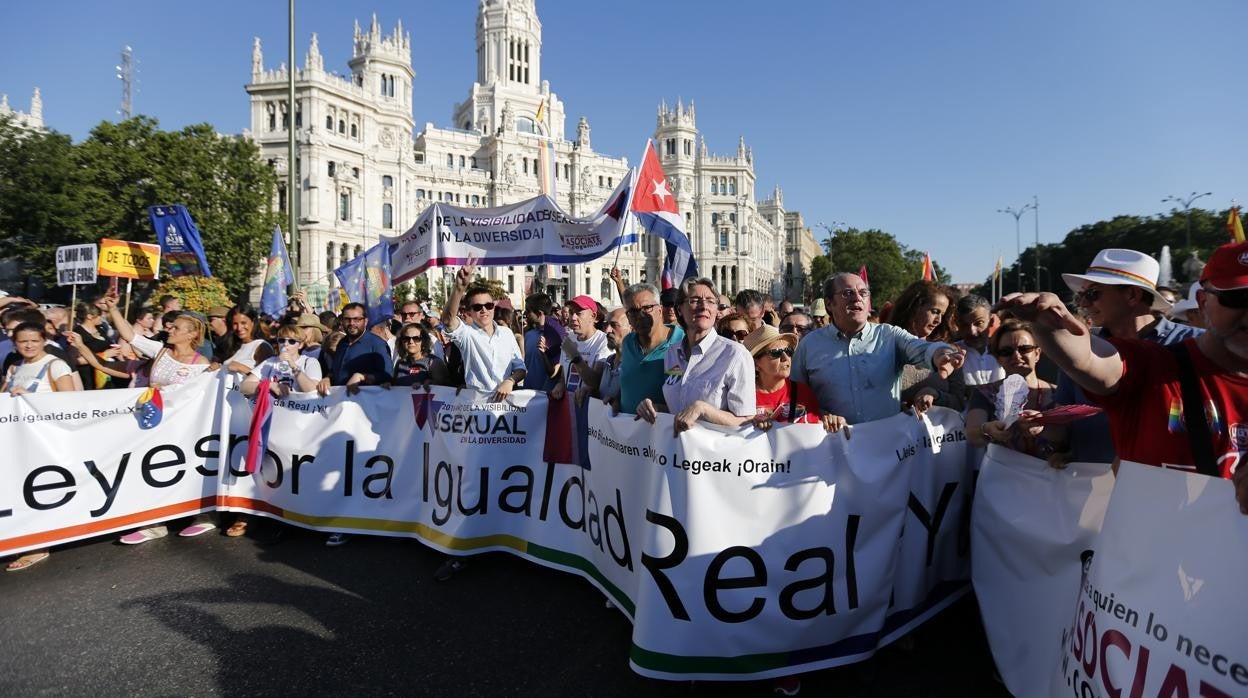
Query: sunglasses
point(1004, 352)
point(411, 338)
point(1089, 295)
point(723, 306)
point(478, 307)
point(777, 353)
point(739, 335)
point(798, 329)
point(287, 340)
point(1237, 299)
point(415, 314)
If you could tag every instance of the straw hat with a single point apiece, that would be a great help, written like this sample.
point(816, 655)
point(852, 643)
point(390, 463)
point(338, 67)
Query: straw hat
point(310, 320)
point(759, 339)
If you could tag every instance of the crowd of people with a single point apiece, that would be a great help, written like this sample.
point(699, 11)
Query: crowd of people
point(1120, 342)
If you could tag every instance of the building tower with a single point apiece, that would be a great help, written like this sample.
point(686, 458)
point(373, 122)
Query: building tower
point(675, 140)
point(381, 66)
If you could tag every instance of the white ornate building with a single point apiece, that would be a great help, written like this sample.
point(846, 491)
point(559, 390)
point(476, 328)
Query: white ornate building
point(363, 174)
point(32, 119)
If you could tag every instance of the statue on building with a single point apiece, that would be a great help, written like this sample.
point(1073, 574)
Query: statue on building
point(582, 134)
point(509, 117)
point(509, 169)
point(257, 58)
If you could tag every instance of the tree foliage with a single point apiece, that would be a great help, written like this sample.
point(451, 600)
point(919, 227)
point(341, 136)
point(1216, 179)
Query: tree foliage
point(55, 193)
point(891, 266)
point(196, 292)
point(820, 271)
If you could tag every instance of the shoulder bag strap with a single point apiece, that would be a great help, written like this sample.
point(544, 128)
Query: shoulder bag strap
point(1194, 419)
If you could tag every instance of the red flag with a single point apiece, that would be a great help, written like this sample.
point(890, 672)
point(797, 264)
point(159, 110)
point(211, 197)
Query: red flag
point(258, 431)
point(862, 274)
point(929, 274)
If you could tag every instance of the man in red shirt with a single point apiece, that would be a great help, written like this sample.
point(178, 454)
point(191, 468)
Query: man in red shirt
point(1139, 384)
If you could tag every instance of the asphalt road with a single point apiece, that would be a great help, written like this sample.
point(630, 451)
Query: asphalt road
point(214, 616)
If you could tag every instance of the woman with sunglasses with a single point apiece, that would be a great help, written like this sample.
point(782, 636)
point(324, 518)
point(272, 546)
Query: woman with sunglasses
point(290, 371)
point(709, 378)
point(733, 326)
point(778, 398)
point(1015, 347)
point(417, 364)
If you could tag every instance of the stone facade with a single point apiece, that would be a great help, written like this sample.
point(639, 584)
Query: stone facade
point(32, 119)
point(363, 174)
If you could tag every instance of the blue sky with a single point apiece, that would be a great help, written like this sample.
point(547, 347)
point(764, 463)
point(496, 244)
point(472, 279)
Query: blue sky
point(920, 118)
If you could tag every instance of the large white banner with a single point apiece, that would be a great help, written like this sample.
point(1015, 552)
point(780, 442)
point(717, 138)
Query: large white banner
point(736, 553)
point(535, 231)
point(79, 465)
point(1161, 608)
point(1030, 526)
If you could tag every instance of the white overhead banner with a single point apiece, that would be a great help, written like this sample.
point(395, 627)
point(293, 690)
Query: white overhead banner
point(1030, 525)
point(535, 231)
point(1160, 611)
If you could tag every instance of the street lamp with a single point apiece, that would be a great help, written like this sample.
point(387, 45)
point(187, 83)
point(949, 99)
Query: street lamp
point(1018, 239)
point(1186, 203)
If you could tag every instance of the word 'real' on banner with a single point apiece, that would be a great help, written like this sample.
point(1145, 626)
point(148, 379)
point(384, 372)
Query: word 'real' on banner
point(1160, 609)
point(535, 231)
point(129, 260)
point(75, 264)
point(1030, 527)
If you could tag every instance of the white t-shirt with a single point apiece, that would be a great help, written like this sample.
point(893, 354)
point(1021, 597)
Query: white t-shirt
point(306, 365)
point(37, 376)
point(593, 350)
point(246, 354)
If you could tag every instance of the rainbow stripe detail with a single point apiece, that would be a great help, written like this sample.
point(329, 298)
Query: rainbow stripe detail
point(1110, 271)
point(1216, 424)
point(1175, 424)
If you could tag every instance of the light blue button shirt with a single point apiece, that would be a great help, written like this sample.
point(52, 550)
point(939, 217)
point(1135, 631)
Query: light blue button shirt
point(859, 377)
point(488, 359)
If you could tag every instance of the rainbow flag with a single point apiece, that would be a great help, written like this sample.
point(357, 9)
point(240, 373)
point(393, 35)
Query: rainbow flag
point(1234, 225)
point(258, 432)
point(929, 273)
point(546, 168)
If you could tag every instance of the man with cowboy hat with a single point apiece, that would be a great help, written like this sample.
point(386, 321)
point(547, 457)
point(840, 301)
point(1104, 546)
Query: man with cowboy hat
point(1118, 294)
point(1184, 406)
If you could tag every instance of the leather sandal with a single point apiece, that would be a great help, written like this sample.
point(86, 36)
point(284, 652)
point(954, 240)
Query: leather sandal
point(27, 560)
point(238, 528)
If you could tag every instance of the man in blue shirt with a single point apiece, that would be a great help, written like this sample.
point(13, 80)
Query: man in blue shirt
point(540, 364)
point(642, 351)
point(854, 366)
point(1118, 294)
point(362, 358)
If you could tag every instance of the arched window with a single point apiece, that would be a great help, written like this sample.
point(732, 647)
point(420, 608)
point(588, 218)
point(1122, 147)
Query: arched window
point(355, 131)
point(342, 127)
point(342, 254)
point(526, 125)
point(526, 165)
point(329, 257)
point(476, 200)
point(420, 194)
point(714, 189)
point(473, 160)
point(358, 251)
point(272, 112)
point(606, 289)
point(387, 216)
point(462, 162)
point(344, 205)
point(387, 181)
point(331, 168)
point(450, 161)
point(329, 122)
point(732, 186)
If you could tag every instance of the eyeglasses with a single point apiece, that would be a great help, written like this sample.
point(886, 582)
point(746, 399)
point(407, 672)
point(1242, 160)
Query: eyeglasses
point(353, 319)
point(478, 307)
point(799, 329)
point(642, 309)
point(412, 338)
point(1005, 352)
point(849, 293)
point(1237, 299)
point(415, 313)
point(1089, 295)
point(287, 340)
point(781, 351)
point(738, 335)
point(700, 302)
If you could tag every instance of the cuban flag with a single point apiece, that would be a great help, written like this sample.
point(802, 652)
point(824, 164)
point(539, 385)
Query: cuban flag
point(277, 276)
point(654, 205)
point(258, 432)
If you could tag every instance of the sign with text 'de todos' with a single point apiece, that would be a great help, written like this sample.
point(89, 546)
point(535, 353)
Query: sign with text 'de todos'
point(129, 260)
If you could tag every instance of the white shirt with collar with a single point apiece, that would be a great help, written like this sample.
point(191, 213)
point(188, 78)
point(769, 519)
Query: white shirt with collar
point(717, 371)
point(488, 359)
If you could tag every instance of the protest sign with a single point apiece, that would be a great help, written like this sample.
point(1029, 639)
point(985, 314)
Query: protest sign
point(1160, 606)
point(535, 231)
point(179, 239)
point(75, 264)
point(1030, 525)
point(129, 260)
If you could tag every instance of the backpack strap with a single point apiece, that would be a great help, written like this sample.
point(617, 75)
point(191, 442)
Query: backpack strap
point(1194, 419)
